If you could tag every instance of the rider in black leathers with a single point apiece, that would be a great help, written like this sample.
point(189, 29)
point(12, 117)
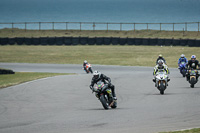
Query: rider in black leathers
point(84, 64)
point(97, 76)
point(192, 64)
point(160, 57)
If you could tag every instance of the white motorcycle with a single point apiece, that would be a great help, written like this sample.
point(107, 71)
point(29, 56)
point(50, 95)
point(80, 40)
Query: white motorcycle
point(161, 81)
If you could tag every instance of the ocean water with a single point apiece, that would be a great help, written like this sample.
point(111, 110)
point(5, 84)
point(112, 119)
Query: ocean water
point(111, 11)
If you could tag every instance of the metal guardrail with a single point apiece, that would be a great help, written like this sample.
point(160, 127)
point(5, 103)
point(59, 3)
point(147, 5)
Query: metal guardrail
point(107, 26)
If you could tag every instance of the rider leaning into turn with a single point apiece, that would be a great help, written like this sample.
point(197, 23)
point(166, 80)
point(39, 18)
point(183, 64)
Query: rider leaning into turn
point(84, 64)
point(160, 67)
point(160, 57)
point(182, 59)
point(97, 76)
point(192, 64)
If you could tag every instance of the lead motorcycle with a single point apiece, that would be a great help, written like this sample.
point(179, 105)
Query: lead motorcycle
point(161, 81)
point(105, 95)
point(182, 68)
point(193, 77)
point(88, 68)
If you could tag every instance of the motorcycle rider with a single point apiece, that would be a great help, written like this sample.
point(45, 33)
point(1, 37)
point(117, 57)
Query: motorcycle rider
point(160, 67)
point(192, 64)
point(97, 76)
point(160, 57)
point(182, 59)
point(84, 64)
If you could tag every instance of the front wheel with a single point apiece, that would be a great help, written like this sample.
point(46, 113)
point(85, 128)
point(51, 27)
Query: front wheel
point(162, 88)
point(104, 102)
point(192, 82)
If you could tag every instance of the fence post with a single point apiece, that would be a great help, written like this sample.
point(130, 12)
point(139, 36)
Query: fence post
point(93, 26)
point(160, 27)
point(66, 26)
point(198, 26)
point(120, 26)
point(25, 26)
point(39, 26)
point(12, 27)
point(134, 27)
point(80, 26)
point(52, 25)
point(173, 27)
point(186, 26)
point(107, 27)
point(147, 26)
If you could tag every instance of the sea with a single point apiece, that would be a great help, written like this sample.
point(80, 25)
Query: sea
point(101, 14)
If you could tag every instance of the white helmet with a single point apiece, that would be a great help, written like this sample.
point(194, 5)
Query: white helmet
point(96, 74)
point(160, 63)
point(182, 56)
point(85, 61)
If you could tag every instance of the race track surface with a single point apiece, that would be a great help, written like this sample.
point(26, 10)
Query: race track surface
point(65, 104)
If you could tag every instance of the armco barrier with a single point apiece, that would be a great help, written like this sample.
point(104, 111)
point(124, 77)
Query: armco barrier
point(98, 41)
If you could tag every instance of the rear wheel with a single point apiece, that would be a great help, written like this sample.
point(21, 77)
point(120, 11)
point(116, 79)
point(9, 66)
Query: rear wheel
point(104, 102)
point(114, 105)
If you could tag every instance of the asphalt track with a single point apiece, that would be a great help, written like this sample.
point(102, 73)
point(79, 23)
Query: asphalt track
point(65, 104)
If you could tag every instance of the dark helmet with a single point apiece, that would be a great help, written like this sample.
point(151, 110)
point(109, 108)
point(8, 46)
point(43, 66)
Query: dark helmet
point(96, 74)
point(193, 58)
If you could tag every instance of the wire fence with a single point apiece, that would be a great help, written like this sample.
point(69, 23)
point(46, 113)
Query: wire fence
point(185, 26)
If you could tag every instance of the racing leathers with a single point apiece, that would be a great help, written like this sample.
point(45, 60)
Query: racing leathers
point(106, 80)
point(161, 58)
point(192, 65)
point(84, 65)
point(158, 68)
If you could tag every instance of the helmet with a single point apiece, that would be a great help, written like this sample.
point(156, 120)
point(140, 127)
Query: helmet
point(182, 56)
point(85, 61)
point(160, 55)
point(193, 58)
point(96, 74)
point(160, 63)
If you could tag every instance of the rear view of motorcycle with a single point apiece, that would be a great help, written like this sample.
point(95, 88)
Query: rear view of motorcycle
point(103, 92)
point(161, 82)
point(192, 77)
point(182, 68)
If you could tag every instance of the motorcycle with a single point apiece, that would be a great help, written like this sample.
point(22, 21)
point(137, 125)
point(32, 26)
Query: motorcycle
point(182, 68)
point(193, 77)
point(88, 68)
point(161, 81)
point(105, 95)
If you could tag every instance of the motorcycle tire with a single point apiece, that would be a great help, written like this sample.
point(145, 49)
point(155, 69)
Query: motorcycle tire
point(192, 82)
point(90, 69)
point(104, 102)
point(162, 88)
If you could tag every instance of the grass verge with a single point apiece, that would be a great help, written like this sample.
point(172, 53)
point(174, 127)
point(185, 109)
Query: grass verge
point(104, 55)
point(21, 77)
point(195, 130)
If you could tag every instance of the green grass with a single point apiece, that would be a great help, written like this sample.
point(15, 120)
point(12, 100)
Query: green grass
point(21, 77)
point(100, 33)
point(104, 55)
point(196, 130)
